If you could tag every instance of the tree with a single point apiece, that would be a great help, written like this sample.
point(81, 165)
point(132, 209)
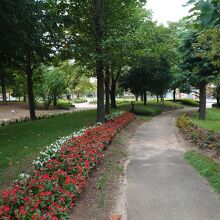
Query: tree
point(29, 28)
point(180, 80)
point(152, 75)
point(205, 13)
point(52, 85)
point(216, 91)
point(84, 86)
point(201, 68)
point(91, 26)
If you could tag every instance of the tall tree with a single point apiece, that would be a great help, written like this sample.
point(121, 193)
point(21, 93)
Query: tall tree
point(201, 68)
point(93, 24)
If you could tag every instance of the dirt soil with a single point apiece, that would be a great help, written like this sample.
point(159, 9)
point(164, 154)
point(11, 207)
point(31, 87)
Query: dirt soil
point(210, 153)
point(101, 199)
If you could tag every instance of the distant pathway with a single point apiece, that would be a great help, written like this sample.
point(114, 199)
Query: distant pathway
point(161, 185)
point(20, 110)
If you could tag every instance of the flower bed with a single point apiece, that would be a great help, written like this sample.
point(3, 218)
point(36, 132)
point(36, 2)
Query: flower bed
point(202, 137)
point(55, 184)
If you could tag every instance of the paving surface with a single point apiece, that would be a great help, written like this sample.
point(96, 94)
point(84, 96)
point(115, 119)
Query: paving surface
point(161, 185)
point(20, 110)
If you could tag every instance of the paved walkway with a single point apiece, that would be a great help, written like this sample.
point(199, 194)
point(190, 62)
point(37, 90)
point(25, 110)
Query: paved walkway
point(161, 185)
point(20, 110)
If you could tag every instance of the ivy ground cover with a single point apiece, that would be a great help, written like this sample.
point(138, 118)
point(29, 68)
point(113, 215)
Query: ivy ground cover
point(53, 188)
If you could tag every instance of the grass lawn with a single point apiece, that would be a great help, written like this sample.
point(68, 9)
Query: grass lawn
point(151, 109)
point(23, 140)
point(212, 121)
point(206, 167)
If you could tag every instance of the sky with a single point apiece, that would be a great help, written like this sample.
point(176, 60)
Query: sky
point(167, 10)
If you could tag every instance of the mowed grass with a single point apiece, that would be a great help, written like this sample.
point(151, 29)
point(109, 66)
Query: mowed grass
point(212, 121)
point(206, 167)
point(25, 139)
point(151, 107)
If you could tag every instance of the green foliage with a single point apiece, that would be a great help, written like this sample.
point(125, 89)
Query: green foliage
point(147, 111)
point(207, 12)
point(152, 75)
point(63, 104)
point(188, 102)
point(206, 167)
point(80, 100)
point(52, 85)
point(202, 137)
point(84, 86)
point(201, 68)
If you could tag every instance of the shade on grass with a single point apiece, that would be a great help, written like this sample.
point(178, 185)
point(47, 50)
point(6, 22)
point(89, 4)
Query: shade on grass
point(212, 121)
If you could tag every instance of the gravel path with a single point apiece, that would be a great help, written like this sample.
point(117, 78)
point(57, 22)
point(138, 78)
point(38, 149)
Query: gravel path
point(160, 183)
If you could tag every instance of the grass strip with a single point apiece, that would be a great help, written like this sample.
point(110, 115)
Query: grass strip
point(206, 167)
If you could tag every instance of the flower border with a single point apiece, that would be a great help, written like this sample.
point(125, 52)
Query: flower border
point(53, 188)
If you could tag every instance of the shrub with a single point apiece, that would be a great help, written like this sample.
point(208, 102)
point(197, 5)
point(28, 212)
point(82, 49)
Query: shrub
point(147, 111)
point(190, 102)
point(215, 105)
point(80, 100)
point(121, 101)
point(203, 138)
point(66, 105)
point(93, 102)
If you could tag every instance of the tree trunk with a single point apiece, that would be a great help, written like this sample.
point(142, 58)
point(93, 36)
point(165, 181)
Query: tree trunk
point(218, 96)
point(25, 98)
point(107, 90)
point(218, 101)
point(136, 98)
point(4, 96)
point(99, 61)
point(145, 98)
point(157, 99)
point(30, 92)
point(54, 101)
point(142, 97)
point(174, 95)
point(113, 100)
point(202, 105)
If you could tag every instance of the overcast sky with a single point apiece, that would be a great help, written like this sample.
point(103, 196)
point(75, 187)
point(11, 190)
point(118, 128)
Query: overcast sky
point(167, 10)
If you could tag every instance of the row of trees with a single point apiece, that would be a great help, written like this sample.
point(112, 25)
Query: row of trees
point(114, 41)
point(106, 36)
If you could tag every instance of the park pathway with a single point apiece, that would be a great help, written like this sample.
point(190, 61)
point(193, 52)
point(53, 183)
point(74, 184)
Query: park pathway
point(161, 185)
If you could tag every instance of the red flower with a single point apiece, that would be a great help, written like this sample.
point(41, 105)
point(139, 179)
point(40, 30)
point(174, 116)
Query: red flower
point(62, 178)
point(22, 210)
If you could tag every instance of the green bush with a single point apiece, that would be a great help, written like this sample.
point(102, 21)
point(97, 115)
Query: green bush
point(80, 100)
point(122, 101)
point(190, 102)
point(147, 111)
point(215, 105)
point(66, 105)
point(93, 102)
